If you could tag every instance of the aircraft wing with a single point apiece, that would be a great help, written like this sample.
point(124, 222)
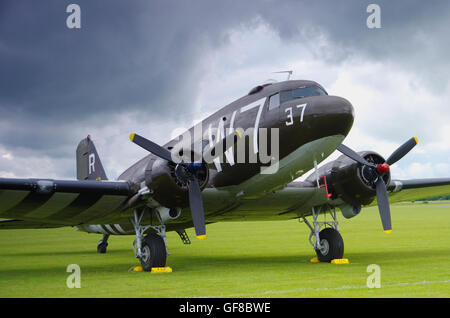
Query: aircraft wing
point(409, 190)
point(21, 224)
point(35, 203)
point(301, 196)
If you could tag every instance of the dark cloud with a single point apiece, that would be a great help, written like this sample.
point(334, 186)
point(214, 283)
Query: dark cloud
point(123, 56)
point(143, 56)
point(146, 54)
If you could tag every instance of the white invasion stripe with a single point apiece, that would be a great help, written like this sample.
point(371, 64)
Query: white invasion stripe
point(300, 290)
point(56, 203)
point(110, 229)
point(106, 204)
point(99, 229)
point(119, 228)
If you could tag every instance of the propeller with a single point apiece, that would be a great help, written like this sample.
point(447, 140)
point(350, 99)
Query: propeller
point(377, 171)
point(187, 173)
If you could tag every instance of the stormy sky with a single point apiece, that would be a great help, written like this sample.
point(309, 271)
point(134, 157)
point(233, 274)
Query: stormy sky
point(155, 67)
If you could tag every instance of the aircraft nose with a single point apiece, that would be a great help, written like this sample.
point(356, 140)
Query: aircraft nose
point(333, 114)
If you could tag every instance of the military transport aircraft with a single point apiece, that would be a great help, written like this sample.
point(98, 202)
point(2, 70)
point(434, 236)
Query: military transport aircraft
point(204, 178)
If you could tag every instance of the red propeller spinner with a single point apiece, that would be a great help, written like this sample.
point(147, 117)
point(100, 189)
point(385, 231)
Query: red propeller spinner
point(383, 168)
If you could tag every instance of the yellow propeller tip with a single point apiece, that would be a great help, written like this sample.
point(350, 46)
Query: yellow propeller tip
point(201, 237)
point(132, 136)
point(417, 140)
point(239, 132)
point(388, 231)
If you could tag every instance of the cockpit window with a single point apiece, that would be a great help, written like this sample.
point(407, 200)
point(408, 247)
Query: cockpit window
point(274, 101)
point(301, 92)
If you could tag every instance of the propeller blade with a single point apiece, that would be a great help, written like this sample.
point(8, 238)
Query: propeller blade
point(152, 147)
point(353, 155)
point(196, 205)
point(402, 151)
point(383, 206)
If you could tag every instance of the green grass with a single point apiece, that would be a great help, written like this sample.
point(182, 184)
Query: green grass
point(253, 259)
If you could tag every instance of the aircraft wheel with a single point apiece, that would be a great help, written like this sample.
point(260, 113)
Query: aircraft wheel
point(101, 247)
point(153, 252)
point(332, 245)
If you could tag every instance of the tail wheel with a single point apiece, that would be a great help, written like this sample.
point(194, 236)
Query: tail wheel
point(332, 245)
point(153, 252)
point(101, 247)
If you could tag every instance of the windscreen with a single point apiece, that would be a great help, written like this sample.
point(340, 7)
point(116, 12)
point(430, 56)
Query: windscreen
point(301, 92)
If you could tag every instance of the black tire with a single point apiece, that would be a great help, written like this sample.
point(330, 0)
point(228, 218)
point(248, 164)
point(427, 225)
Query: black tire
point(101, 248)
point(154, 252)
point(333, 245)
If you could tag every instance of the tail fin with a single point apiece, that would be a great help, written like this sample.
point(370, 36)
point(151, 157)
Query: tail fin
point(89, 166)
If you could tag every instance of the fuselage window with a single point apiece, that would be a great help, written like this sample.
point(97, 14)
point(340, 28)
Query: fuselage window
point(301, 92)
point(274, 101)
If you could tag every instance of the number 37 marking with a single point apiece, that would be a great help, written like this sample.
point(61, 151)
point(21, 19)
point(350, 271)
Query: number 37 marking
point(290, 118)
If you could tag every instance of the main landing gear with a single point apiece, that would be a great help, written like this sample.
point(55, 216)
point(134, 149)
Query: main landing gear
point(327, 243)
point(151, 248)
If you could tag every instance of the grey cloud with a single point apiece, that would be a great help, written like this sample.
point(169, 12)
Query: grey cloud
point(147, 54)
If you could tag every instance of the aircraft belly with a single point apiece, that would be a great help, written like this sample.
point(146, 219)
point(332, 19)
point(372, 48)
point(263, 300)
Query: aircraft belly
point(114, 229)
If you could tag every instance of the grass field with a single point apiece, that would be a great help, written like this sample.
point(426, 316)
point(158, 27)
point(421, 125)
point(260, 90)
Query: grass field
point(253, 259)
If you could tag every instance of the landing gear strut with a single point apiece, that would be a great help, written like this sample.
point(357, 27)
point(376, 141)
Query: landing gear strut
point(151, 248)
point(103, 244)
point(327, 243)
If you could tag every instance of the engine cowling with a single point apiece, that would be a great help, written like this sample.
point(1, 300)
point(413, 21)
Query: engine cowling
point(352, 182)
point(168, 182)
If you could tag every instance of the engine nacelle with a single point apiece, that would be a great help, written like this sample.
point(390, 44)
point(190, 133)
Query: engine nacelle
point(168, 214)
point(352, 182)
point(168, 183)
point(349, 211)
